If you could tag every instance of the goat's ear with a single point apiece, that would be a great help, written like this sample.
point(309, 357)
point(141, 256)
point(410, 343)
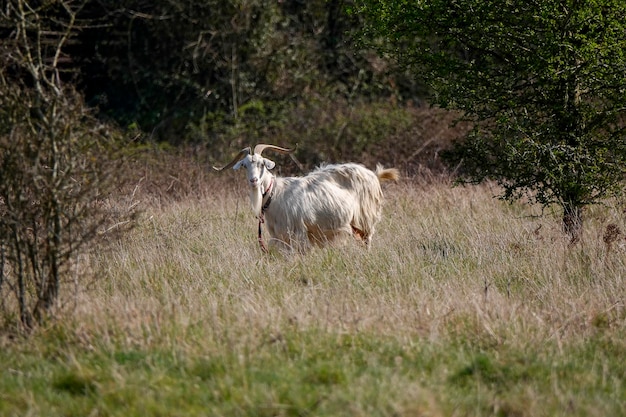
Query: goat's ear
point(238, 165)
point(268, 163)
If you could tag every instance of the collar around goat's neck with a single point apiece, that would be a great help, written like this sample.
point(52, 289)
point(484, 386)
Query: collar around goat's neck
point(267, 195)
point(270, 188)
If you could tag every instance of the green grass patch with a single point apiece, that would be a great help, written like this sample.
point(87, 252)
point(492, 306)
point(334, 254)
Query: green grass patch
point(317, 373)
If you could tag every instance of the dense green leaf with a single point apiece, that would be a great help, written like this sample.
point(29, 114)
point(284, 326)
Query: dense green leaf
point(543, 82)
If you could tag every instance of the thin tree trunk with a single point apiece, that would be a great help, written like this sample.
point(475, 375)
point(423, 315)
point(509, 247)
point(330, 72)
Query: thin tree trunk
point(1, 266)
point(573, 221)
point(20, 275)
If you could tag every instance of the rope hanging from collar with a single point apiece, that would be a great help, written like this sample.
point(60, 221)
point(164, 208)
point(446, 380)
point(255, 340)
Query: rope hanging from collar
point(270, 190)
point(261, 241)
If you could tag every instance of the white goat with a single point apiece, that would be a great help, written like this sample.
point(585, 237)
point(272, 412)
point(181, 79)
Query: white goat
point(332, 202)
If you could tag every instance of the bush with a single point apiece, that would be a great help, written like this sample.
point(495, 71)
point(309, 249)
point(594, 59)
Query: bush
point(410, 138)
point(57, 167)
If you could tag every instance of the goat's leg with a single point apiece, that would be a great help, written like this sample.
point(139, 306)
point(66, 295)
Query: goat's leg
point(362, 235)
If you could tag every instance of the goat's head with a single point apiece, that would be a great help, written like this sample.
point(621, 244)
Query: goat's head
point(255, 164)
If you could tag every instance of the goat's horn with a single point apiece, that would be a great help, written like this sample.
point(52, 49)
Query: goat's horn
point(242, 153)
point(261, 147)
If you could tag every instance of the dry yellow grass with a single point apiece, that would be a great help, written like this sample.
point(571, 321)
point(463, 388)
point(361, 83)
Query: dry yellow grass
point(443, 257)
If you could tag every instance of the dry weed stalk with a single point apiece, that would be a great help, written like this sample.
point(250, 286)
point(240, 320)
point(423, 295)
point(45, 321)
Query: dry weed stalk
point(611, 234)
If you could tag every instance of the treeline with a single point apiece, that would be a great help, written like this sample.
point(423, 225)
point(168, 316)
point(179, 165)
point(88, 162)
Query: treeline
point(185, 71)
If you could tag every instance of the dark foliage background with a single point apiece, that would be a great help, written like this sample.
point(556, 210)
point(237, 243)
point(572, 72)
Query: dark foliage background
point(188, 71)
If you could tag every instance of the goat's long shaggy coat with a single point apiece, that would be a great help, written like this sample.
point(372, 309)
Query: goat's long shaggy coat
point(334, 201)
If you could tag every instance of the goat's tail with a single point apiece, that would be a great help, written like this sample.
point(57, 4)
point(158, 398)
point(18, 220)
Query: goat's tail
point(388, 174)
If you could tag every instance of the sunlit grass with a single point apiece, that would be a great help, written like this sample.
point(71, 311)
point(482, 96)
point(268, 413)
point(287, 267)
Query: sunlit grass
point(464, 305)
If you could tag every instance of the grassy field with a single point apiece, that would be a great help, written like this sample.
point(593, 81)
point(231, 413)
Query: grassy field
point(464, 306)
